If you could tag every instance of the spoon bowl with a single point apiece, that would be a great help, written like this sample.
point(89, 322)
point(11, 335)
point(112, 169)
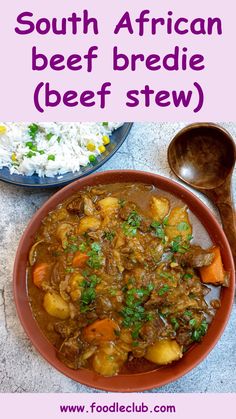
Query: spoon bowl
point(203, 156)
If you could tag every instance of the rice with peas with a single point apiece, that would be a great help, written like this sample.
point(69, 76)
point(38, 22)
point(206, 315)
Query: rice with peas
point(52, 148)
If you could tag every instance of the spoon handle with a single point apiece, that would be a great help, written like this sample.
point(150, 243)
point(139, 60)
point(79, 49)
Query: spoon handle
point(227, 214)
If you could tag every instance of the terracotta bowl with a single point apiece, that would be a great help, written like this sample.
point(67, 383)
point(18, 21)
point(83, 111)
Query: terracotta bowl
point(129, 382)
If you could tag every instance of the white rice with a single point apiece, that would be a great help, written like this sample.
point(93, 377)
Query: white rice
point(65, 151)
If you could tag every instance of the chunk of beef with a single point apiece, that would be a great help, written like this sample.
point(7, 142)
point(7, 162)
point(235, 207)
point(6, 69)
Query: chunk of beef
point(89, 208)
point(76, 206)
point(127, 209)
point(139, 364)
point(141, 277)
point(195, 257)
point(70, 352)
point(58, 273)
point(132, 254)
point(96, 235)
point(154, 253)
point(111, 265)
point(183, 337)
point(65, 328)
point(154, 302)
point(103, 305)
point(145, 225)
point(152, 329)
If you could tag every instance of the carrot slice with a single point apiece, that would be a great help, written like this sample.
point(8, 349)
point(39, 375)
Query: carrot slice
point(101, 331)
point(41, 273)
point(214, 273)
point(79, 260)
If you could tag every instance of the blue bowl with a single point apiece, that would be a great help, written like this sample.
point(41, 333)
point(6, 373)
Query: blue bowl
point(34, 181)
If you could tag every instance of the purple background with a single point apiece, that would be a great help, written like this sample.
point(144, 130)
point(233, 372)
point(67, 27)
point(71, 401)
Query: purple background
point(18, 81)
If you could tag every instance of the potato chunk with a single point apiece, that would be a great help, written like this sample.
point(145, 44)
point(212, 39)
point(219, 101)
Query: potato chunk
point(62, 233)
point(56, 306)
point(105, 365)
point(110, 357)
point(75, 286)
point(178, 224)
point(108, 205)
point(88, 223)
point(164, 352)
point(160, 207)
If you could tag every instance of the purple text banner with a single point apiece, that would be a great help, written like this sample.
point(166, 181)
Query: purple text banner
point(146, 405)
point(124, 60)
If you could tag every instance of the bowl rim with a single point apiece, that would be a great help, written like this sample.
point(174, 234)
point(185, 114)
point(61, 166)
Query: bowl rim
point(149, 379)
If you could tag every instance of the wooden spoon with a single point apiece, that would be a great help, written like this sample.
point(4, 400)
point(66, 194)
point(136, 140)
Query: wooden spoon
point(203, 156)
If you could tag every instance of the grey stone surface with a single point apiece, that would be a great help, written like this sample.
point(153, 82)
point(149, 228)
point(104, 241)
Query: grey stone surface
point(21, 368)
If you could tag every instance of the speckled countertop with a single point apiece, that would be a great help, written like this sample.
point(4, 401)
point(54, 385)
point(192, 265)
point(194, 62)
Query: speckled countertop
point(21, 368)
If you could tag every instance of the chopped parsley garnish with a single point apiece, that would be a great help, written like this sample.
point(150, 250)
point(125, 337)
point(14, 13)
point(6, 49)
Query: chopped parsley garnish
point(136, 330)
point(95, 256)
point(183, 226)
point(82, 247)
point(69, 269)
point(71, 248)
point(166, 275)
point(187, 276)
point(109, 235)
point(134, 219)
point(159, 230)
point(174, 323)
point(105, 124)
point(188, 313)
point(94, 280)
point(121, 203)
point(133, 312)
point(199, 332)
point(192, 322)
point(73, 238)
point(85, 273)
point(165, 221)
point(163, 290)
point(96, 247)
point(178, 245)
point(149, 317)
point(129, 230)
point(88, 294)
point(132, 224)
